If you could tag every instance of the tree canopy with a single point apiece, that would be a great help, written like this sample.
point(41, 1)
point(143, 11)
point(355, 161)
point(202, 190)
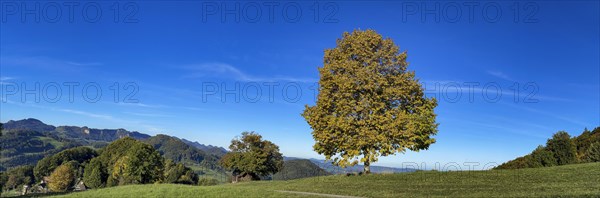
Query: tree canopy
point(47, 165)
point(128, 161)
point(252, 157)
point(564, 149)
point(369, 104)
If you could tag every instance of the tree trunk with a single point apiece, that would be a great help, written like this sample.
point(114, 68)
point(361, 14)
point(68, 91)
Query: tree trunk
point(367, 168)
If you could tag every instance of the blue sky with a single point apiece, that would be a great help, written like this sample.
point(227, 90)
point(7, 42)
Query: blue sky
point(173, 56)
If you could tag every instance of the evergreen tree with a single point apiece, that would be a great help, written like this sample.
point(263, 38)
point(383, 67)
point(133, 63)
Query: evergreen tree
point(95, 174)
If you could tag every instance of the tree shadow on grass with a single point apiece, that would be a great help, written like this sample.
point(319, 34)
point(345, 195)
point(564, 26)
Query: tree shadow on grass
point(42, 194)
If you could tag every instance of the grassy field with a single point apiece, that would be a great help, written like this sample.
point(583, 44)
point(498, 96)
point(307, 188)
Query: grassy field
point(581, 180)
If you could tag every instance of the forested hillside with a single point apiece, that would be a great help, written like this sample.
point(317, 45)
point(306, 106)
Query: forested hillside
point(561, 149)
point(26, 147)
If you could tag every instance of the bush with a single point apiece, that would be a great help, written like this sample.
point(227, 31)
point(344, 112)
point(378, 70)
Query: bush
point(207, 181)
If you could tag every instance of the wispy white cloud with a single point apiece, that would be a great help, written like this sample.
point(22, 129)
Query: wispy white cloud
point(3, 79)
point(139, 105)
point(438, 87)
point(500, 75)
point(549, 114)
point(505, 128)
point(93, 115)
point(44, 62)
point(223, 69)
point(83, 64)
point(148, 114)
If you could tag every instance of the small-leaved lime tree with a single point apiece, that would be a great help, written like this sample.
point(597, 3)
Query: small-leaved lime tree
point(369, 104)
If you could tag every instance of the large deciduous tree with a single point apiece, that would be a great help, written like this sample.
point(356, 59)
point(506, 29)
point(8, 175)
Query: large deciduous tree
point(252, 157)
point(369, 104)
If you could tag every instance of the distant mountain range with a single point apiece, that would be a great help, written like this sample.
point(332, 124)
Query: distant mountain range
point(106, 135)
point(26, 141)
point(327, 166)
point(217, 150)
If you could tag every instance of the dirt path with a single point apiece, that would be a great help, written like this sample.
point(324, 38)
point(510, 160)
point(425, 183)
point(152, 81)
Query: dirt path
point(316, 194)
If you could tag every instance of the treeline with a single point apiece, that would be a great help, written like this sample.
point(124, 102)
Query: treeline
point(561, 149)
point(125, 161)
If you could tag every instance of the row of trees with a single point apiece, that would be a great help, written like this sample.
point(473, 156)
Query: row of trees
point(561, 149)
point(125, 161)
point(129, 161)
point(11, 179)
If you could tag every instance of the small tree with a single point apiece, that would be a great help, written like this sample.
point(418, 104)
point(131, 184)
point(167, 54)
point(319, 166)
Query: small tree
point(593, 153)
point(95, 174)
point(564, 149)
point(252, 157)
point(369, 104)
point(62, 178)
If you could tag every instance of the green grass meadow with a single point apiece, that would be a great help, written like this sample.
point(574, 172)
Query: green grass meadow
point(580, 180)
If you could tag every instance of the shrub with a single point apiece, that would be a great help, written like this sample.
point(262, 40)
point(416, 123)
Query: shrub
point(207, 181)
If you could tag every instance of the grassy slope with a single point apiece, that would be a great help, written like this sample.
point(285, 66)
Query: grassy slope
point(569, 180)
